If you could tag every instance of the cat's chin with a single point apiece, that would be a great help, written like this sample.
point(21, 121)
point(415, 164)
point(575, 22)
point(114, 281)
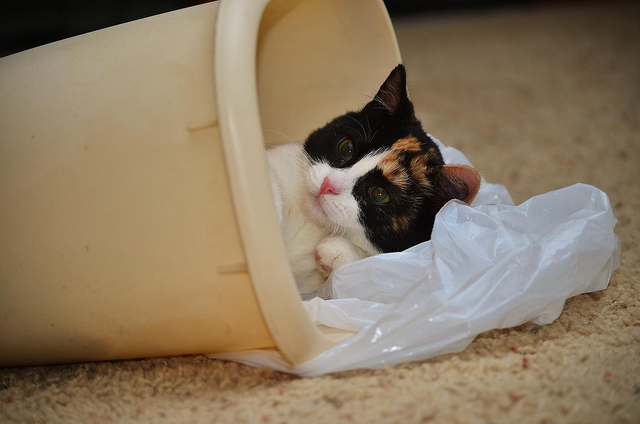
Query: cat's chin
point(316, 211)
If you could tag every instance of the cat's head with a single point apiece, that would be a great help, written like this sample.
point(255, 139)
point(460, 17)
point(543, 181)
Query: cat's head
point(378, 178)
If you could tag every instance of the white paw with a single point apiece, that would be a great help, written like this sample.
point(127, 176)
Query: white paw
point(334, 252)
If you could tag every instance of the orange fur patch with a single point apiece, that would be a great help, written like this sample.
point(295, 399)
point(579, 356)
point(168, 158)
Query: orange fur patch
point(418, 169)
point(407, 144)
point(393, 170)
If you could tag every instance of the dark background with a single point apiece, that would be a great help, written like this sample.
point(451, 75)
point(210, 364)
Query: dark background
point(29, 23)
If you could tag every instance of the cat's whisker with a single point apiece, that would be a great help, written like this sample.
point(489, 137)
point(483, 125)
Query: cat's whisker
point(303, 158)
point(356, 131)
point(286, 137)
point(373, 135)
point(338, 231)
point(304, 161)
point(364, 130)
point(343, 232)
point(370, 137)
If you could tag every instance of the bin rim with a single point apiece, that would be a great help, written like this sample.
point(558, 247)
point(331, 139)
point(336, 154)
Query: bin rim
point(235, 68)
point(236, 81)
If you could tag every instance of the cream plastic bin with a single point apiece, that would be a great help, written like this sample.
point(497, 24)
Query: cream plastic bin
point(136, 217)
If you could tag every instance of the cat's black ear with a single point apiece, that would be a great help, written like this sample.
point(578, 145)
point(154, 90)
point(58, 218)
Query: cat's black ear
point(392, 96)
point(460, 182)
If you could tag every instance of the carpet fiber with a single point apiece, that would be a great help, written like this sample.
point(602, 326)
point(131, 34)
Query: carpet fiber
point(538, 99)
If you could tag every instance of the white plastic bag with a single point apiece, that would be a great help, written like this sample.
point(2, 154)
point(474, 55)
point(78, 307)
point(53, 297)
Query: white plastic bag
point(487, 266)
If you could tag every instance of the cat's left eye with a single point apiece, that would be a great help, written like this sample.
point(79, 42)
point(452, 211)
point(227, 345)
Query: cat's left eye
point(346, 149)
point(379, 195)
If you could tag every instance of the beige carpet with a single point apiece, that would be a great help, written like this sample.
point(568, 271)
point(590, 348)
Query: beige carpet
point(537, 99)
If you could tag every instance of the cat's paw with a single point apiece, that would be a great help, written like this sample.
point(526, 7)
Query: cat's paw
point(334, 252)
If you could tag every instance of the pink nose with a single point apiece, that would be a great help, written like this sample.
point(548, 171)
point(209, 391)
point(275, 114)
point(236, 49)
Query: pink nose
point(328, 187)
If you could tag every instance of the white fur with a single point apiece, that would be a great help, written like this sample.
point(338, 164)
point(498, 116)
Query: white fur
point(321, 232)
point(334, 252)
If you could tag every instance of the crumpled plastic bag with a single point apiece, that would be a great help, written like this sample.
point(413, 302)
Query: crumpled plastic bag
point(490, 265)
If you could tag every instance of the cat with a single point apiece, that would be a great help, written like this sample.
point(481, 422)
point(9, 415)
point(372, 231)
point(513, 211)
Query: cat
point(367, 182)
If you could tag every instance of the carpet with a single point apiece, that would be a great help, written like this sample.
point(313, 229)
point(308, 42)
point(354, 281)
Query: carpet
point(538, 99)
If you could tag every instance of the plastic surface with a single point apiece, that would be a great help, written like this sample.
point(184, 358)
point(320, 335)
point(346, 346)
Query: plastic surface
point(487, 266)
point(113, 196)
point(135, 211)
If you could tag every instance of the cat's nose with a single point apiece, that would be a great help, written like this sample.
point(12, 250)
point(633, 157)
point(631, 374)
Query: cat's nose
point(328, 187)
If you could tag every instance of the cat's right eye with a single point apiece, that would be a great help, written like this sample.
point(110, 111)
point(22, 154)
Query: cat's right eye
point(379, 195)
point(346, 149)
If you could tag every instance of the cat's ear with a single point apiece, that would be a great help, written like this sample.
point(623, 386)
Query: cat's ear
point(392, 96)
point(460, 182)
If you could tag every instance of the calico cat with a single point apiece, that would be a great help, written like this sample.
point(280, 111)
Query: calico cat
point(367, 182)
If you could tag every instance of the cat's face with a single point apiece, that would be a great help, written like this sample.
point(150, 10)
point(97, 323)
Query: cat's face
point(376, 176)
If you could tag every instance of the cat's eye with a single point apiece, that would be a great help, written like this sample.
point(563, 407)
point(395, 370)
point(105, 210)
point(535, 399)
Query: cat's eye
point(379, 195)
point(346, 149)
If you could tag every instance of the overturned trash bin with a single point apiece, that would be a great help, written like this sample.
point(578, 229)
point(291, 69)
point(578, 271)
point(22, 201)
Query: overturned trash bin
point(136, 217)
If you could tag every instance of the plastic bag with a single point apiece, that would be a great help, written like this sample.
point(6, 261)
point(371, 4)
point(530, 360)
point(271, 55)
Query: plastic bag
point(490, 265)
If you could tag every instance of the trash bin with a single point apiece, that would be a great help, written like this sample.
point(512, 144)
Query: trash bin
point(136, 217)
